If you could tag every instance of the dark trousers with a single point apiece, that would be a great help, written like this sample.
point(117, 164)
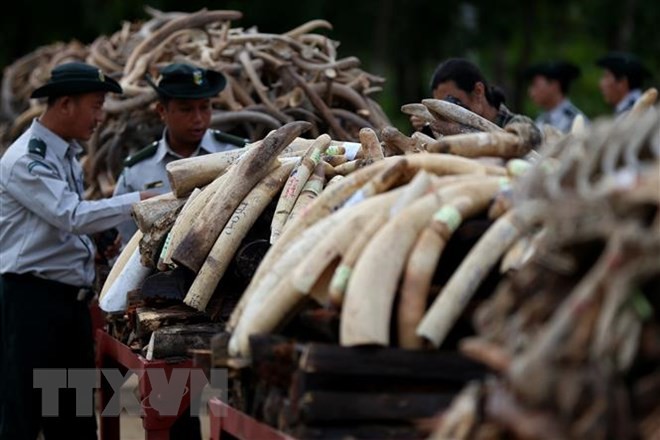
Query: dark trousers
point(42, 325)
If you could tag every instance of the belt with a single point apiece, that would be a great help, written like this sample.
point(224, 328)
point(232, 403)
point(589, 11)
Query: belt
point(51, 287)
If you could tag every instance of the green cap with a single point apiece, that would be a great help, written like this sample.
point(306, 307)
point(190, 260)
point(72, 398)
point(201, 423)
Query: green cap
point(184, 81)
point(76, 78)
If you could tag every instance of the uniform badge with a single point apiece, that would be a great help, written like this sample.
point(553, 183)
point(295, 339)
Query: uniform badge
point(37, 146)
point(197, 77)
point(101, 76)
point(36, 163)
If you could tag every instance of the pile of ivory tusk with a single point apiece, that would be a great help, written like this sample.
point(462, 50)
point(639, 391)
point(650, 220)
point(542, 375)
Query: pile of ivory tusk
point(351, 221)
point(273, 79)
point(454, 129)
point(573, 330)
point(215, 201)
point(360, 227)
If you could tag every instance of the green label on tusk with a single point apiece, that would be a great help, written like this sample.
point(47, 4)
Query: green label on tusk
point(166, 245)
point(332, 150)
point(505, 183)
point(340, 278)
point(518, 167)
point(316, 156)
point(450, 216)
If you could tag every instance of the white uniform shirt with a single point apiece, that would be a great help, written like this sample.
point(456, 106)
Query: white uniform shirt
point(43, 218)
point(627, 102)
point(150, 172)
point(560, 117)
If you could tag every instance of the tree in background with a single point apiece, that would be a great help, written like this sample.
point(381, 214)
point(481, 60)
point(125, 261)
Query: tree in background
point(401, 40)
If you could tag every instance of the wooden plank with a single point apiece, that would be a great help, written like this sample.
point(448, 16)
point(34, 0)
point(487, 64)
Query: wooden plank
point(358, 432)
point(389, 362)
point(304, 382)
point(328, 406)
point(149, 319)
point(170, 285)
point(220, 353)
point(274, 359)
point(220, 349)
point(201, 358)
point(177, 340)
point(321, 325)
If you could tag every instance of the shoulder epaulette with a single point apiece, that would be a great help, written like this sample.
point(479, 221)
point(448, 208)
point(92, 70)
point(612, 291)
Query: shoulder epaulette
point(629, 105)
point(141, 155)
point(229, 138)
point(38, 147)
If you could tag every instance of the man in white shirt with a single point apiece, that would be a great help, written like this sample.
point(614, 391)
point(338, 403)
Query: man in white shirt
point(622, 79)
point(184, 106)
point(550, 82)
point(47, 255)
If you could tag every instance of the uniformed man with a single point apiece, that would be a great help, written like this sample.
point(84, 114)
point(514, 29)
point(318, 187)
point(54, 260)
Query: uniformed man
point(47, 256)
point(550, 82)
point(184, 106)
point(622, 79)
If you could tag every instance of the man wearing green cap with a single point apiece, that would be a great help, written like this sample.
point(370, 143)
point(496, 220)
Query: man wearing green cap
point(184, 106)
point(47, 256)
point(548, 88)
point(622, 79)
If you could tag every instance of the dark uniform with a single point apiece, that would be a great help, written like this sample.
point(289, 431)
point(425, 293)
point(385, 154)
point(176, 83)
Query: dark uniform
point(47, 266)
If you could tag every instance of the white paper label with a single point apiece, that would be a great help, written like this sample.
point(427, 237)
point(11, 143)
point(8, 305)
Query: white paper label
point(352, 149)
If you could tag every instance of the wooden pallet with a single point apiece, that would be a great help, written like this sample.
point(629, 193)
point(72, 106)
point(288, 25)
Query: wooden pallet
point(326, 391)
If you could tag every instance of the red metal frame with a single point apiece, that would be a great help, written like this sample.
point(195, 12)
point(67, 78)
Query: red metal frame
point(227, 420)
point(110, 353)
